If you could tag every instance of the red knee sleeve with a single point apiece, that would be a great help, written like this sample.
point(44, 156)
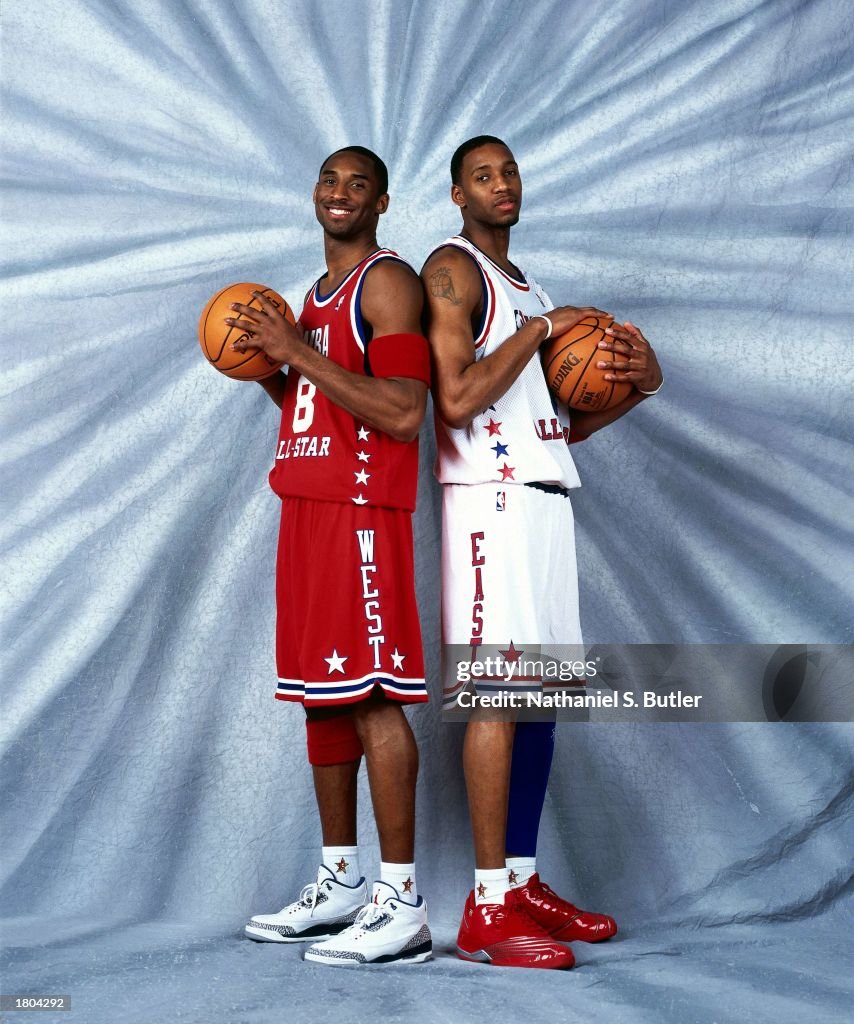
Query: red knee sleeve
point(332, 740)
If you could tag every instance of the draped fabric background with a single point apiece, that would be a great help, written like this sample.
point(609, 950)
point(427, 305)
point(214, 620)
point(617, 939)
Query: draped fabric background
point(687, 165)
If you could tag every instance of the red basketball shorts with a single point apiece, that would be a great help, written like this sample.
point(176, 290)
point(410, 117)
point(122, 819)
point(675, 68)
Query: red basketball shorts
point(345, 600)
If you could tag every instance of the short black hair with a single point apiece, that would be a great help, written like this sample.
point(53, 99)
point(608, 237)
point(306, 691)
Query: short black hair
point(466, 148)
point(379, 166)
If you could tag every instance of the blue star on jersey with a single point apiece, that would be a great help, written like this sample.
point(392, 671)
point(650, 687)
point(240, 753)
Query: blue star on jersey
point(500, 449)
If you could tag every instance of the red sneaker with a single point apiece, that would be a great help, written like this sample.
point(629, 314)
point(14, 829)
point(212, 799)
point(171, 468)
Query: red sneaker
point(561, 919)
point(504, 935)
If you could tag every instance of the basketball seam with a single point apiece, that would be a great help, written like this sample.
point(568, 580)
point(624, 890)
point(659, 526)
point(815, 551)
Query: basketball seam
point(581, 377)
point(230, 329)
point(575, 341)
point(607, 389)
point(236, 366)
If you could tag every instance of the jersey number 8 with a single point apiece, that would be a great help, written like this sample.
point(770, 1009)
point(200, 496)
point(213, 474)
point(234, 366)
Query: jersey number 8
point(304, 407)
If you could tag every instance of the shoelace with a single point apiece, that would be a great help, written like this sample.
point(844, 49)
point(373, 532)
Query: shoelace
point(517, 910)
point(528, 924)
point(547, 889)
point(308, 896)
point(367, 915)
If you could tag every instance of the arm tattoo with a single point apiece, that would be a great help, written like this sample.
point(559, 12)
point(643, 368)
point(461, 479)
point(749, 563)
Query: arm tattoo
point(442, 286)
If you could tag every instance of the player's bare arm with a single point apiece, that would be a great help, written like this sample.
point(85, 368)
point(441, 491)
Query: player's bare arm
point(391, 303)
point(464, 386)
point(633, 361)
point(275, 387)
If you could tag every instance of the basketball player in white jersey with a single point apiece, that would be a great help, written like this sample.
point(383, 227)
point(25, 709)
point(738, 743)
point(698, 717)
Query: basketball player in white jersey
point(508, 551)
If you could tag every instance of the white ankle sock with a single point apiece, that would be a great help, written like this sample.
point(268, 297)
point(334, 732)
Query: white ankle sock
point(343, 862)
point(490, 886)
point(402, 877)
point(519, 870)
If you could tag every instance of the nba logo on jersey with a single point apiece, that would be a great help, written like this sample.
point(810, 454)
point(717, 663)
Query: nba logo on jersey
point(338, 303)
point(500, 501)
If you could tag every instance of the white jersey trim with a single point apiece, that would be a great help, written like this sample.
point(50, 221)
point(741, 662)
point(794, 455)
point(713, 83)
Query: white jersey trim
point(524, 427)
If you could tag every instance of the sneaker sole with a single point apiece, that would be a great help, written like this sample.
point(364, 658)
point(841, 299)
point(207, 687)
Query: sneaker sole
point(418, 955)
point(316, 934)
point(481, 956)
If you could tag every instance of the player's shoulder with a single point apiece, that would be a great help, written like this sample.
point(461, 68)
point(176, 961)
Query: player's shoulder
point(390, 276)
point(451, 260)
point(451, 272)
point(390, 269)
point(448, 253)
point(390, 283)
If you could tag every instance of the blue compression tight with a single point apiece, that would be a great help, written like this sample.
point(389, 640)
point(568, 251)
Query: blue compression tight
point(533, 747)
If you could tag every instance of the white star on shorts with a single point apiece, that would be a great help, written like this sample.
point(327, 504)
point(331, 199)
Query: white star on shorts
point(362, 477)
point(335, 662)
point(363, 434)
point(397, 659)
point(363, 456)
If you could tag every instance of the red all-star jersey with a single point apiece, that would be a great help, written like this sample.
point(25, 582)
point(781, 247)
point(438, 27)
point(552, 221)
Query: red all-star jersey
point(324, 452)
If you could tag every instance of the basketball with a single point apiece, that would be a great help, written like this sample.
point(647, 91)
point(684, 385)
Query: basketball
point(569, 362)
point(216, 336)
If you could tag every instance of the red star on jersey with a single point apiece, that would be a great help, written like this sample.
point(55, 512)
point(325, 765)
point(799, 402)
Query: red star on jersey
point(507, 472)
point(512, 878)
point(407, 885)
point(481, 889)
point(492, 427)
point(341, 867)
point(512, 654)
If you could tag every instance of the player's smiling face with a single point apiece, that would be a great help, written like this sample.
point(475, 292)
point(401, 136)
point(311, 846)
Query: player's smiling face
point(490, 189)
point(347, 201)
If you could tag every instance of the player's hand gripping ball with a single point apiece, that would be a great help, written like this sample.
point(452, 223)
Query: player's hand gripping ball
point(569, 362)
point(216, 337)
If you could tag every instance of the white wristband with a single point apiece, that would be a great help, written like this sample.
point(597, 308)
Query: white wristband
point(549, 324)
point(660, 386)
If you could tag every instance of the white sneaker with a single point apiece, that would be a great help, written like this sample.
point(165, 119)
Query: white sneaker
point(324, 908)
point(389, 930)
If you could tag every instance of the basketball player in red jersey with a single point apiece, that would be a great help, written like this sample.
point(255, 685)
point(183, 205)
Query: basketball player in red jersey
point(348, 643)
point(509, 576)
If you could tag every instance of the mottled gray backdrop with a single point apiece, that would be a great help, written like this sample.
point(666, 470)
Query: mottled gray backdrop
point(687, 165)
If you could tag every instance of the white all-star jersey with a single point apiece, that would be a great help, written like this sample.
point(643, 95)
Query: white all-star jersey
point(523, 437)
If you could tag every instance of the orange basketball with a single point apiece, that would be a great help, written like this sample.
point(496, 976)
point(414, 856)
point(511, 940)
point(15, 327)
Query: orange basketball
point(569, 362)
point(216, 337)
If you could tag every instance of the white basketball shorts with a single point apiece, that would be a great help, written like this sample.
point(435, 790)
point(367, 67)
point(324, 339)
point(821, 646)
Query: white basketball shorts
point(508, 567)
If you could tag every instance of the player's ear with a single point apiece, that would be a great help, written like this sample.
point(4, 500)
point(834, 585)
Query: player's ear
point(458, 196)
point(382, 203)
point(314, 194)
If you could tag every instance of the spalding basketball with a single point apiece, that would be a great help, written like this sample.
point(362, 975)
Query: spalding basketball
point(569, 362)
point(216, 336)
